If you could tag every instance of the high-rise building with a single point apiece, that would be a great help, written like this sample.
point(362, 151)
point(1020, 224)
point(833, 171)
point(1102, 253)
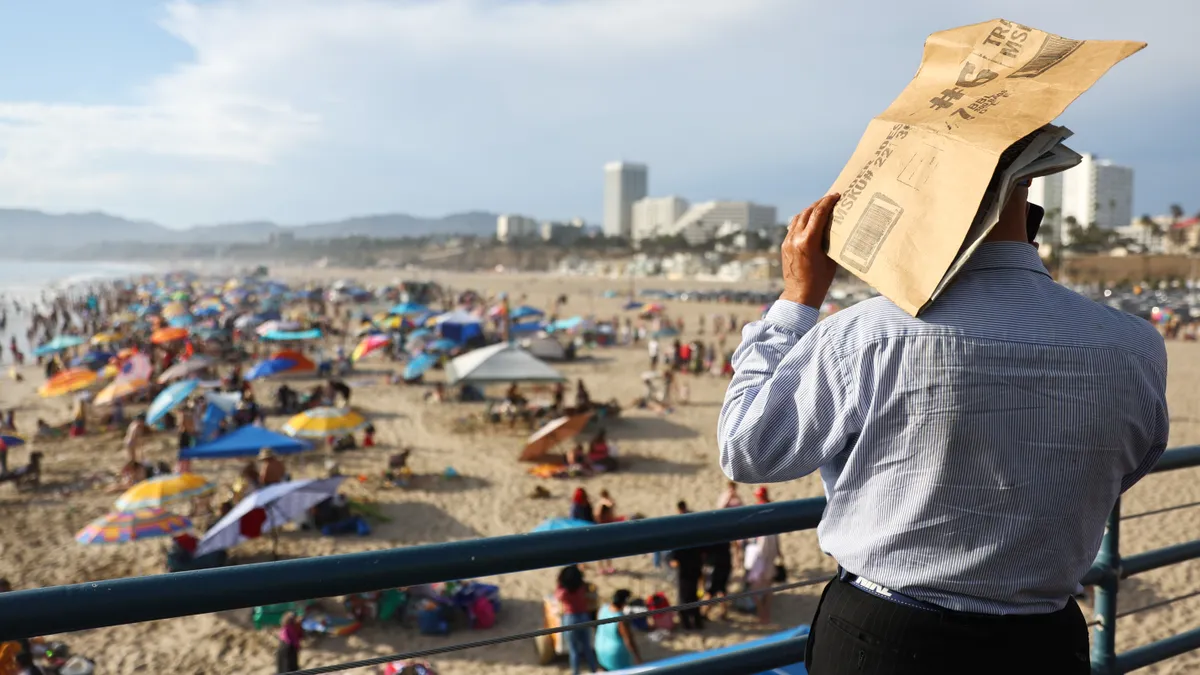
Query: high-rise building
point(624, 184)
point(710, 220)
point(655, 216)
point(1047, 193)
point(1096, 193)
point(511, 228)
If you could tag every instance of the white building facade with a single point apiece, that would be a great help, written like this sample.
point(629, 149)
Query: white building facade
point(511, 228)
point(655, 216)
point(1097, 192)
point(707, 221)
point(624, 184)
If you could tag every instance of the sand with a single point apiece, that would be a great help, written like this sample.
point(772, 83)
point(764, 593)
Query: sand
point(668, 458)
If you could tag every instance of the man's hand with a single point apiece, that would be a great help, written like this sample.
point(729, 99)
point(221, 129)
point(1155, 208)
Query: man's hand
point(807, 271)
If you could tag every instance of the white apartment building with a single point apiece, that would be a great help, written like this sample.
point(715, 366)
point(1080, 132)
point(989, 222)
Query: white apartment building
point(655, 216)
point(707, 221)
point(1096, 192)
point(513, 228)
point(624, 184)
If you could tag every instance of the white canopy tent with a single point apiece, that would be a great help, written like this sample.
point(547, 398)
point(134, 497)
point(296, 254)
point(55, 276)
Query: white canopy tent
point(504, 362)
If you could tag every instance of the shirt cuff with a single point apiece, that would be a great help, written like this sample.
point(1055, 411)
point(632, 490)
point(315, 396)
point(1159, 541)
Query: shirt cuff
point(792, 316)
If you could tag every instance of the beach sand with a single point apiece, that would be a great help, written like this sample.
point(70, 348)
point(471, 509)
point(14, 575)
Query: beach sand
point(665, 459)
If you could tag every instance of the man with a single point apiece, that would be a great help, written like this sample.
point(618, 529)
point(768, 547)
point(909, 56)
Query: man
point(689, 567)
point(273, 469)
point(970, 456)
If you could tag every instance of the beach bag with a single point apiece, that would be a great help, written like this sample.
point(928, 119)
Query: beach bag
point(483, 613)
point(665, 620)
point(431, 621)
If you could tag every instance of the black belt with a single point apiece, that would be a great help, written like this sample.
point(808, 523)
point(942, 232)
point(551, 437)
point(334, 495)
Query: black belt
point(884, 593)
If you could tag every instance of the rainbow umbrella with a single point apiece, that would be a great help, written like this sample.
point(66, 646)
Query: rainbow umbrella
point(119, 389)
point(162, 490)
point(125, 526)
point(324, 422)
point(369, 344)
point(66, 382)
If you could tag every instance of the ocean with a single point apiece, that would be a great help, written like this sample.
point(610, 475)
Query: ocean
point(25, 282)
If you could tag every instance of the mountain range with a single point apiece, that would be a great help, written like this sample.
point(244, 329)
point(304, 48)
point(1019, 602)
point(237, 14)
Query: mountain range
point(29, 230)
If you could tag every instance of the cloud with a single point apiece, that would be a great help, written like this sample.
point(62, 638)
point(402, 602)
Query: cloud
point(310, 109)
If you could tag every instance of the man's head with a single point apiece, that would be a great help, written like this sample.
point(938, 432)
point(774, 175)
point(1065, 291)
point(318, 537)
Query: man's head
point(682, 506)
point(1012, 224)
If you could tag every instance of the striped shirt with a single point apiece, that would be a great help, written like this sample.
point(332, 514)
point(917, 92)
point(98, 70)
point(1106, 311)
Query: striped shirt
point(970, 456)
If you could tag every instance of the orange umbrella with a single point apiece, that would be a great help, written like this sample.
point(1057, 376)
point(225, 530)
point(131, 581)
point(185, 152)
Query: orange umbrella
point(67, 381)
point(303, 363)
point(164, 335)
point(554, 432)
point(120, 389)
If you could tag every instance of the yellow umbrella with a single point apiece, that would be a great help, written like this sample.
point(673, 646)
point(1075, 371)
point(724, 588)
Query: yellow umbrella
point(110, 371)
point(162, 490)
point(105, 338)
point(174, 309)
point(66, 382)
point(119, 389)
point(324, 422)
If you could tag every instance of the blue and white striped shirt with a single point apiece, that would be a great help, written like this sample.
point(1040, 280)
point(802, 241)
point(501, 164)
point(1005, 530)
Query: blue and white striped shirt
point(970, 456)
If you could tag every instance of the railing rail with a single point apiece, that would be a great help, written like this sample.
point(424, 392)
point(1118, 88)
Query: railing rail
point(99, 604)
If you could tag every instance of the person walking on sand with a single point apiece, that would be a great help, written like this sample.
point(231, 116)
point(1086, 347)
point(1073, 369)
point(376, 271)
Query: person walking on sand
point(970, 456)
point(134, 434)
point(287, 653)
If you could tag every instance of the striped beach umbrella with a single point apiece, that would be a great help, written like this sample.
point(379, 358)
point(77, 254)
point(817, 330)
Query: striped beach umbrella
point(324, 422)
point(119, 389)
point(162, 490)
point(369, 344)
point(67, 381)
point(122, 526)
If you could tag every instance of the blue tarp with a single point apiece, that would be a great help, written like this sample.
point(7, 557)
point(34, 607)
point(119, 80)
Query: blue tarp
point(246, 442)
point(794, 669)
point(524, 312)
point(282, 335)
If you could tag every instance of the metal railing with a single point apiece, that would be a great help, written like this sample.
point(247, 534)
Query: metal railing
point(60, 609)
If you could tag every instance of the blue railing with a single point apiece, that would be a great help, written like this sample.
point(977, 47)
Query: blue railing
point(60, 609)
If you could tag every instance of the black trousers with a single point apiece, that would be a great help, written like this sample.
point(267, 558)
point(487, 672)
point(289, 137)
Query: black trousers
point(688, 589)
point(856, 632)
point(287, 658)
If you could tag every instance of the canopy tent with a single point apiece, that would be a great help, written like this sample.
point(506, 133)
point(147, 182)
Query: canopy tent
point(504, 362)
point(459, 326)
point(547, 348)
point(268, 509)
point(245, 442)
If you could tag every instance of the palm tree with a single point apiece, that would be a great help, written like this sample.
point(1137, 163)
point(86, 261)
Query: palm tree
point(1176, 213)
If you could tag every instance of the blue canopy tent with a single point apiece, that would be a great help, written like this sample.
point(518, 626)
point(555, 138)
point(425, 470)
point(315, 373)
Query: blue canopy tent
point(459, 326)
point(246, 442)
point(525, 312)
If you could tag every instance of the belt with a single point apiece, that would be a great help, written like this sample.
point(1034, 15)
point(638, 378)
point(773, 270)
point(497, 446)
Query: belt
point(884, 593)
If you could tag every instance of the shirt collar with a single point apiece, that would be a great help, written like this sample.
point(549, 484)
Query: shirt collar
point(1005, 255)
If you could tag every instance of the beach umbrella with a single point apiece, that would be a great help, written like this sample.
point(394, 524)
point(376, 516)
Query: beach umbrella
point(123, 317)
point(93, 360)
point(408, 309)
point(58, 344)
point(266, 510)
point(390, 322)
point(170, 397)
point(302, 362)
point(122, 526)
point(174, 309)
point(166, 335)
point(441, 345)
point(369, 344)
point(12, 441)
point(555, 524)
point(276, 327)
point(419, 366)
point(632, 305)
point(181, 321)
point(324, 422)
point(420, 334)
point(159, 491)
point(525, 312)
point(185, 368)
point(135, 367)
point(552, 433)
point(118, 389)
point(268, 368)
point(105, 338)
point(67, 381)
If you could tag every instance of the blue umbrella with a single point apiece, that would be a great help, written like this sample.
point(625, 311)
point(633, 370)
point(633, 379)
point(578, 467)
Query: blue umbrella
point(408, 308)
point(419, 366)
point(170, 397)
point(552, 524)
point(632, 305)
point(441, 345)
point(92, 360)
point(12, 441)
point(420, 333)
point(181, 321)
point(524, 312)
point(58, 344)
point(270, 367)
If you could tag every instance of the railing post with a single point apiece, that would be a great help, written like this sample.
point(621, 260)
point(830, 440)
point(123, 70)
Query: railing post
point(1104, 636)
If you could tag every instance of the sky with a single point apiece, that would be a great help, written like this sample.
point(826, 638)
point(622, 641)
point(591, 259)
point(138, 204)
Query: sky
point(208, 111)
